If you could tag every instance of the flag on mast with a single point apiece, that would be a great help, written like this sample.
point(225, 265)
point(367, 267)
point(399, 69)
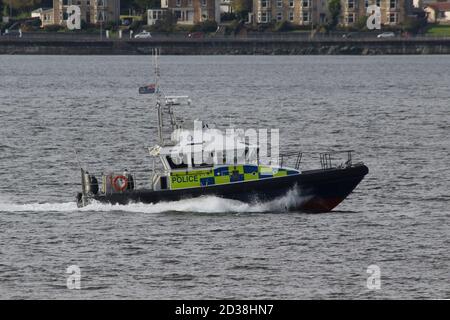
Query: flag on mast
point(148, 89)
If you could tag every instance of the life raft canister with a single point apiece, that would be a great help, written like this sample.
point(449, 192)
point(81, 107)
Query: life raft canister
point(123, 185)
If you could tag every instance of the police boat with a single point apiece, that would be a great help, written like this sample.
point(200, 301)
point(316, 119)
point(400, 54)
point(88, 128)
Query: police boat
point(192, 166)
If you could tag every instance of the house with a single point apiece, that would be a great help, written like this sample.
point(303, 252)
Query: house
point(315, 12)
point(154, 15)
point(226, 6)
point(300, 12)
point(393, 12)
point(422, 3)
point(193, 11)
point(438, 12)
point(45, 15)
point(92, 11)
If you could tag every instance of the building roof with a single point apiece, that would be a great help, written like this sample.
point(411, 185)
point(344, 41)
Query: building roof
point(40, 10)
point(440, 6)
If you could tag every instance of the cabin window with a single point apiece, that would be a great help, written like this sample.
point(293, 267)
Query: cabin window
point(201, 165)
point(163, 183)
point(173, 165)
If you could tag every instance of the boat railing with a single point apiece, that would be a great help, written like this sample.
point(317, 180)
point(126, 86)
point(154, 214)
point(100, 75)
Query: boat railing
point(328, 160)
point(292, 159)
point(105, 179)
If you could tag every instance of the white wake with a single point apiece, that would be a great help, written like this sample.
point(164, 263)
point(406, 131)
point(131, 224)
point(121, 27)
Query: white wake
point(207, 204)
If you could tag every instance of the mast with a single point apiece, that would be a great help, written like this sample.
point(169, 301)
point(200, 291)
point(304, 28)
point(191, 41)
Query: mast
point(164, 106)
point(155, 55)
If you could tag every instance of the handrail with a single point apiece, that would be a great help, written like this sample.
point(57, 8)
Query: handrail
point(326, 160)
point(325, 157)
point(298, 158)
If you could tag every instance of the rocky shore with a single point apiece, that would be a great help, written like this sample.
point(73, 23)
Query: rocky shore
point(213, 46)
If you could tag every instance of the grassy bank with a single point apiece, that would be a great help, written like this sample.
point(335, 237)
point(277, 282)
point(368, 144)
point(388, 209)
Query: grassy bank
point(439, 30)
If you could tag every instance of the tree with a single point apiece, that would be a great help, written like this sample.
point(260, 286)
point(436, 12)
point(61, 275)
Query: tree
point(208, 26)
point(24, 5)
point(334, 7)
point(146, 4)
point(414, 25)
point(361, 23)
point(283, 26)
point(47, 3)
point(167, 23)
point(242, 7)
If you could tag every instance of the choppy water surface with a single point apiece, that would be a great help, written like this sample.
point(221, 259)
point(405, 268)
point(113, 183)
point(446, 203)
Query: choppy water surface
point(395, 111)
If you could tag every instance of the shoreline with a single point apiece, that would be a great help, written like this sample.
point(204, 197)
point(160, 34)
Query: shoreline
point(212, 46)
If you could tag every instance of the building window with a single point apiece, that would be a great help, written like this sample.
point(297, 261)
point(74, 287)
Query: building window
point(378, 3)
point(279, 16)
point(263, 17)
point(101, 16)
point(351, 4)
point(263, 3)
point(190, 3)
point(392, 18)
point(291, 3)
point(366, 3)
point(350, 18)
point(305, 3)
point(279, 3)
point(323, 18)
point(204, 3)
point(393, 4)
point(305, 16)
point(291, 16)
point(178, 3)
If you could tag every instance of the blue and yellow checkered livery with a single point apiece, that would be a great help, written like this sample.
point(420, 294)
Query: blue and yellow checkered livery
point(224, 175)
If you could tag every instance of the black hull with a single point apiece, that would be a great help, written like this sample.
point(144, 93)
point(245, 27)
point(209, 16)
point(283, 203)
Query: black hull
point(313, 191)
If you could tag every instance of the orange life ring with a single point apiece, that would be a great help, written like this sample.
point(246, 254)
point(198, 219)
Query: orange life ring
point(117, 187)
